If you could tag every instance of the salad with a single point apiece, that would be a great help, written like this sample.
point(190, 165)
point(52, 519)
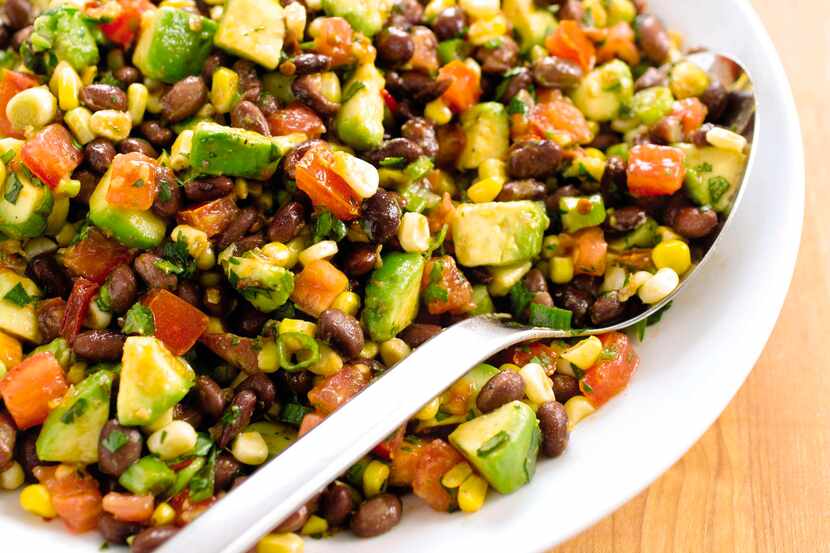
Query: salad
point(221, 220)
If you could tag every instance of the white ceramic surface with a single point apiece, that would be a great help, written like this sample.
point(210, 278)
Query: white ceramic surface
point(691, 364)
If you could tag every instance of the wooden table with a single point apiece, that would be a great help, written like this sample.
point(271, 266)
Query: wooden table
point(759, 479)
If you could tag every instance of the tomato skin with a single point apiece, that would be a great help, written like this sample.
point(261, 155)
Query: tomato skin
point(434, 460)
point(589, 252)
point(178, 324)
point(128, 507)
point(95, 257)
point(559, 115)
point(77, 306)
point(385, 448)
point(538, 352)
point(610, 374)
point(337, 389)
point(334, 39)
point(210, 217)
point(317, 285)
point(50, 154)
point(389, 100)
point(324, 186)
point(445, 288)
point(12, 82)
point(186, 510)
point(464, 89)
point(29, 388)
point(294, 118)
point(405, 462)
point(133, 181)
point(123, 29)
point(691, 112)
point(75, 496)
point(655, 170)
point(570, 42)
point(619, 43)
point(309, 422)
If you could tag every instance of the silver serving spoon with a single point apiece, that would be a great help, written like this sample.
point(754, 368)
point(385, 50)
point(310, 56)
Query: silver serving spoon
point(287, 482)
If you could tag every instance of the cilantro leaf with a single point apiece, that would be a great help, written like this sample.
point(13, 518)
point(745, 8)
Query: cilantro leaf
point(18, 296)
point(139, 320)
point(327, 226)
point(177, 254)
point(114, 441)
point(76, 410)
point(13, 188)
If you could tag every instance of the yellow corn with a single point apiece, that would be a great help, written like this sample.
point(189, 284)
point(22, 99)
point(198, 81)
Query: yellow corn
point(163, 420)
point(726, 140)
point(413, 232)
point(577, 408)
point(35, 499)
point(687, 79)
point(180, 151)
point(315, 525)
point(112, 124)
point(240, 186)
point(3, 172)
point(480, 9)
point(348, 302)
point(88, 74)
point(267, 359)
point(324, 249)
point(66, 85)
point(538, 52)
point(12, 478)
point(538, 387)
point(552, 246)
point(659, 285)
point(280, 543)
point(76, 372)
point(493, 167)
point(207, 260)
point(374, 478)
point(328, 364)
point(485, 190)
point(97, 318)
point(597, 11)
point(163, 514)
point(434, 7)
point(561, 269)
point(666, 233)
point(250, 448)
point(11, 351)
point(393, 351)
point(614, 279)
point(215, 325)
point(224, 89)
point(78, 122)
point(428, 411)
point(137, 95)
point(154, 100)
point(509, 367)
point(174, 439)
point(621, 10)
point(438, 112)
point(484, 30)
point(369, 351)
point(584, 353)
point(32, 108)
point(674, 254)
point(472, 493)
point(456, 476)
point(297, 325)
point(196, 240)
point(65, 235)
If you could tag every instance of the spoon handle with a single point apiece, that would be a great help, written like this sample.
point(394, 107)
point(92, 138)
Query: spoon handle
point(279, 488)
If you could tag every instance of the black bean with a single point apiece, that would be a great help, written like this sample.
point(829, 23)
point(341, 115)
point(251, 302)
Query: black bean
point(237, 229)
point(714, 98)
point(407, 12)
point(614, 182)
point(207, 188)
point(421, 132)
point(626, 218)
point(395, 46)
point(103, 96)
point(146, 267)
point(417, 333)
point(607, 308)
point(5, 36)
point(336, 504)
point(287, 222)
point(190, 292)
point(188, 414)
point(156, 134)
point(653, 38)
point(525, 189)
point(237, 416)
point(565, 387)
point(127, 75)
point(213, 62)
point(533, 159)
point(498, 59)
point(247, 320)
point(577, 301)
point(503, 388)
point(342, 331)
point(651, 78)
point(27, 452)
point(226, 469)
point(210, 398)
point(403, 148)
point(137, 145)
point(382, 214)
point(570, 9)
point(50, 317)
point(114, 461)
point(534, 281)
point(308, 89)
point(247, 115)
point(99, 345)
point(360, 260)
point(450, 23)
point(416, 85)
point(555, 72)
point(250, 85)
point(249, 242)
point(99, 154)
point(184, 99)
point(520, 80)
point(294, 521)
point(152, 538)
point(553, 421)
point(169, 199)
point(694, 222)
point(21, 36)
point(19, 13)
point(122, 287)
point(8, 437)
point(309, 62)
point(299, 382)
point(49, 275)
point(667, 131)
point(377, 516)
point(262, 387)
point(116, 531)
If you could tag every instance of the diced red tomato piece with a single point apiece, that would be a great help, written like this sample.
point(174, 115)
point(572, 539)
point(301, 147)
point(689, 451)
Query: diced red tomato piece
point(405, 461)
point(123, 29)
point(434, 460)
point(29, 388)
point(12, 82)
point(77, 306)
point(655, 170)
point(317, 285)
point(334, 39)
point(570, 42)
point(239, 351)
point(386, 447)
point(178, 324)
point(324, 186)
point(337, 389)
point(75, 496)
point(691, 112)
point(186, 509)
point(51, 154)
point(445, 288)
point(389, 100)
point(128, 507)
point(536, 352)
point(619, 43)
point(310, 420)
point(294, 118)
point(133, 181)
point(211, 217)
point(95, 256)
point(589, 252)
point(612, 372)
point(443, 213)
point(559, 115)
point(464, 89)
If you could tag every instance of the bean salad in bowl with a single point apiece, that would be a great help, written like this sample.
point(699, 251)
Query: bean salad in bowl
point(221, 220)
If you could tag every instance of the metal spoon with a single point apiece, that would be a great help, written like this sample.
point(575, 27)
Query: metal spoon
point(279, 488)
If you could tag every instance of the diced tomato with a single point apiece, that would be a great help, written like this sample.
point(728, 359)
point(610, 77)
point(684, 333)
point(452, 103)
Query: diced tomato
point(178, 324)
point(75, 496)
point(619, 43)
point(589, 252)
point(691, 112)
point(133, 181)
point(464, 89)
point(128, 507)
point(389, 100)
point(211, 217)
point(570, 42)
point(310, 420)
point(187, 510)
point(445, 288)
point(385, 448)
point(77, 306)
point(11, 352)
point(457, 398)
point(294, 118)
point(11, 82)
point(405, 461)
point(51, 154)
point(536, 352)
point(123, 29)
point(335, 390)
point(95, 256)
point(434, 460)
point(655, 170)
point(29, 388)
point(334, 39)
point(239, 351)
point(559, 115)
point(612, 372)
point(317, 285)
point(324, 186)
point(443, 213)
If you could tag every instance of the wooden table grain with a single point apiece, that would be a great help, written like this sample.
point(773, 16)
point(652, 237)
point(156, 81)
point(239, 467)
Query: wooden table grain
point(759, 479)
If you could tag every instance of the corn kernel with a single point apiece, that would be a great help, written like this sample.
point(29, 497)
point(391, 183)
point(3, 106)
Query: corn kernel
point(472, 493)
point(96, 317)
point(614, 279)
point(325, 249)
point(295, 21)
point(538, 52)
point(66, 85)
point(315, 525)
point(726, 139)
point(215, 325)
point(224, 89)
point(163, 514)
point(374, 478)
point(112, 124)
point(297, 325)
point(413, 232)
point(78, 122)
point(65, 235)
point(428, 411)
point(485, 190)
point(240, 187)
point(538, 387)
point(11, 351)
point(674, 254)
point(660, 285)
point(88, 74)
point(621, 11)
point(361, 176)
point(434, 7)
point(12, 478)
point(665, 234)
point(35, 499)
point(163, 420)
point(597, 11)
point(561, 269)
point(552, 246)
point(456, 476)
point(180, 151)
point(474, 66)
point(479, 9)
point(687, 79)
point(137, 95)
point(577, 408)
point(484, 30)
point(438, 112)
point(154, 100)
point(369, 351)
point(176, 438)
point(32, 108)
point(393, 351)
point(634, 283)
point(584, 353)
point(280, 543)
point(197, 241)
point(504, 278)
point(329, 363)
point(493, 167)
point(250, 448)
point(348, 302)
point(267, 358)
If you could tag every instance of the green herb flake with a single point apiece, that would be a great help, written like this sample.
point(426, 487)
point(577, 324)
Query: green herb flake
point(139, 320)
point(104, 299)
point(704, 168)
point(13, 188)
point(718, 186)
point(7, 156)
point(520, 298)
point(114, 441)
point(138, 183)
point(327, 226)
point(18, 296)
point(165, 195)
point(231, 415)
point(76, 410)
point(392, 161)
point(586, 387)
point(293, 413)
point(516, 106)
point(493, 444)
point(351, 90)
point(178, 254)
point(202, 484)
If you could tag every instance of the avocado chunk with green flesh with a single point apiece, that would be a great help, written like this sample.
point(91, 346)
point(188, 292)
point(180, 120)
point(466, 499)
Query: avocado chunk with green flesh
point(260, 281)
point(71, 431)
point(25, 205)
point(531, 23)
point(66, 33)
point(392, 295)
point(131, 227)
point(580, 212)
point(220, 150)
point(482, 301)
point(152, 381)
point(185, 475)
point(513, 232)
point(643, 236)
point(713, 175)
point(605, 91)
point(173, 44)
point(17, 306)
point(252, 29)
point(487, 132)
point(359, 123)
point(277, 436)
point(148, 475)
point(365, 16)
point(501, 445)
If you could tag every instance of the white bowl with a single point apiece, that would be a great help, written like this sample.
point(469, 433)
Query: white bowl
point(691, 364)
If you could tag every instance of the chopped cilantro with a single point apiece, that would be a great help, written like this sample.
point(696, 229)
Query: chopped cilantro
point(177, 254)
point(231, 415)
point(13, 188)
point(516, 106)
point(104, 300)
point(114, 441)
point(493, 444)
point(139, 320)
point(327, 226)
point(165, 195)
point(202, 483)
point(18, 296)
point(704, 167)
point(76, 410)
point(7, 156)
point(351, 90)
point(293, 413)
point(718, 186)
point(586, 387)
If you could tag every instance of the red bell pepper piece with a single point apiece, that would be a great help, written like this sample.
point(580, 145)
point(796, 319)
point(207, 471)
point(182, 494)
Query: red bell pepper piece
point(133, 181)
point(77, 306)
point(691, 112)
point(211, 217)
point(537, 352)
point(11, 82)
point(296, 118)
point(309, 422)
point(95, 256)
point(123, 29)
point(612, 372)
point(389, 100)
point(29, 388)
point(655, 170)
point(445, 288)
point(128, 507)
point(559, 115)
point(178, 324)
point(589, 252)
point(392, 443)
point(324, 186)
point(51, 154)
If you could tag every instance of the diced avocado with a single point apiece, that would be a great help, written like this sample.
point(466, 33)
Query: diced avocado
point(604, 91)
point(258, 278)
point(25, 205)
point(487, 131)
point(482, 301)
point(58, 214)
point(148, 475)
point(580, 212)
point(713, 175)
point(58, 347)
point(131, 227)
point(359, 123)
point(173, 44)
point(650, 105)
point(152, 381)
point(279, 86)
point(17, 307)
point(64, 33)
point(220, 150)
point(644, 236)
point(185, 475)
point(513, 232)
point(501, 445)
point(531, 23)
point(365, 16)
point(252, 29)
point(392, 295)
point(70, 433)
point(277, 436)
